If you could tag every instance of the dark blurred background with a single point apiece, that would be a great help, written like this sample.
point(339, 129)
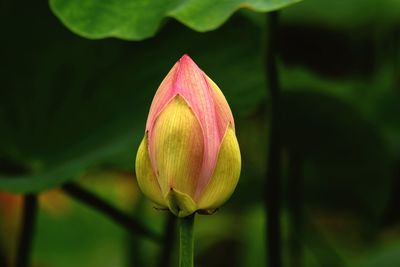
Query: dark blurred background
point(73, 108)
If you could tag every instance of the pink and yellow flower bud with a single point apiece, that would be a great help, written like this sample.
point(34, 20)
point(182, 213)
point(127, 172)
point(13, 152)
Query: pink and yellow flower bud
point(189, 159)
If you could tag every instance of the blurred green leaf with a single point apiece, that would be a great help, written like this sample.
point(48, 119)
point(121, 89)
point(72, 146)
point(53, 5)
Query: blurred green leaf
point(252, 135)
point(69, 104)
point(342, 151)
point(254, 240)
point(105, 243)
point(375, 98)
point(344, 14)
point(387, 256)
point(137, 20)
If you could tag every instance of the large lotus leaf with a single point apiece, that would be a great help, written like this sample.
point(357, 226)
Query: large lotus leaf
point(140, 19)
point(68, 104)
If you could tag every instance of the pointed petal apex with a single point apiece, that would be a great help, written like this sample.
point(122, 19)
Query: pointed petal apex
point(185, 59)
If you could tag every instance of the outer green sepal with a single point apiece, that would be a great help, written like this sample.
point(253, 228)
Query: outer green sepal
point(180, 204)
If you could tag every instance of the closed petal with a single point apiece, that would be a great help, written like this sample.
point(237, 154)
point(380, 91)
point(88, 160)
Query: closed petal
point(145, 176)
point(191, 83)
point(225, 176)
point(178, 143)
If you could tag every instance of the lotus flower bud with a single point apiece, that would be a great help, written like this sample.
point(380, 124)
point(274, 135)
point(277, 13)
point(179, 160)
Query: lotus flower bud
point(189, 159)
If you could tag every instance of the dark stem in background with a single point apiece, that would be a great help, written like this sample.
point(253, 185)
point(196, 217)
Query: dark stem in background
point(114, 214)
point(295, 204)
point(169, 240)
point(186, 241)
point(273, 179)
point(27, 231)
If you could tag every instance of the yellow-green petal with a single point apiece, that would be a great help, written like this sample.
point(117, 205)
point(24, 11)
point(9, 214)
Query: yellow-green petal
point(178, 148)
point(225, 176)
point(145, 175)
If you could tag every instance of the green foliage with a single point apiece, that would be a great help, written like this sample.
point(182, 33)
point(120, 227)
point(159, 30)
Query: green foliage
point(345, 14)
point(356, 163)
point(387, 256)
point(137, 20)
point(71, 104)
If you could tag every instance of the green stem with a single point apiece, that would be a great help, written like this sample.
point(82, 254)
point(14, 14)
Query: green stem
point(186, 241)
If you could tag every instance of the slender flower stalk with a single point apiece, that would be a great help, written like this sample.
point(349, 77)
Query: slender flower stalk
point(186, 241)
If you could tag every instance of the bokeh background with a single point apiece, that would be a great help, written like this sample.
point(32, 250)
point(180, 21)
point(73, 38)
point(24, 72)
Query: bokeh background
point(72, 108)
